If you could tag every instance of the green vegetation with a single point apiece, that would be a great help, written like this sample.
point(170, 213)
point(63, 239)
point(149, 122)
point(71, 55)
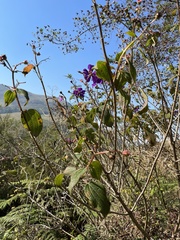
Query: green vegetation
point(107, 165)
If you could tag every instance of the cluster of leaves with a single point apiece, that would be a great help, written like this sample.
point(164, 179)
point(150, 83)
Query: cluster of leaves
point(108, 151)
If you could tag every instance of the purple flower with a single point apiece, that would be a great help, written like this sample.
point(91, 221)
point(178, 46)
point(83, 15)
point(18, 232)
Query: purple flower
point(61, 98)
point(136, 109)
point(79, 92)
point(89, 74)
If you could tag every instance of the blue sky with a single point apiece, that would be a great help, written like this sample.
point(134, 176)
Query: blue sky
point(19, 20)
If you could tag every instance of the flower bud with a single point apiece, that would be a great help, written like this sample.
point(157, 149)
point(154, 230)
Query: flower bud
point(125, 152)
point(3, 58)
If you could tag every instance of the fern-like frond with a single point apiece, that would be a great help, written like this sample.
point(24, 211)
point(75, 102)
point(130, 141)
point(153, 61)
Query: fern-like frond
point(47, 235)
point(7, 202)
point(15, 216)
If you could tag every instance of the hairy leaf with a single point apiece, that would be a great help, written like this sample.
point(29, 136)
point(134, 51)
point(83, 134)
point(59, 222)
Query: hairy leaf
point(118, 55)
point(149, 42)
point(144, 56)
point(125, 95)
point(131, 34)
point(132, 71)
point(75, 177)
point(78, 147)
point(58, 179)
point(25, 93)
point(32, 121)
point(108, 119)
point(102, 71)
point(96, 169)
point(9, 97)
point(144, 108)
point(95, 125)
point(69, 170)
point(96, 194)
point(122, 78)
point(90, 115)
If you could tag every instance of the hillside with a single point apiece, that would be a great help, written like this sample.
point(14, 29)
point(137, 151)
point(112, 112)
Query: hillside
point(35, 101)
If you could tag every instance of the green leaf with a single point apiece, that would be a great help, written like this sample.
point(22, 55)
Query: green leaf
point(95, 125)
point(108, 119)
point(58, 179)
point(69, 170)
point(122, 78)
point(125, 95)
point(172, 89)
point(144, 56)
point(75, 177)
point(96, 194)
point(132, 71)
point(129, 113)
point(25, 93)
point(131, 34)
point(102, 71)
point(118, 55)
point(78, 147)
point(149, 42)
point(90, 115)
point(168, 115)
point(96, 169)
point(90, 134)
point(174, 12)
point(144, 108)
point(9, 97)
point(32, 121)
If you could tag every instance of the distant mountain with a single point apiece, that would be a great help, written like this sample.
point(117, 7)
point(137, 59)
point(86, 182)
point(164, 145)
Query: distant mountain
point(35, 101)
